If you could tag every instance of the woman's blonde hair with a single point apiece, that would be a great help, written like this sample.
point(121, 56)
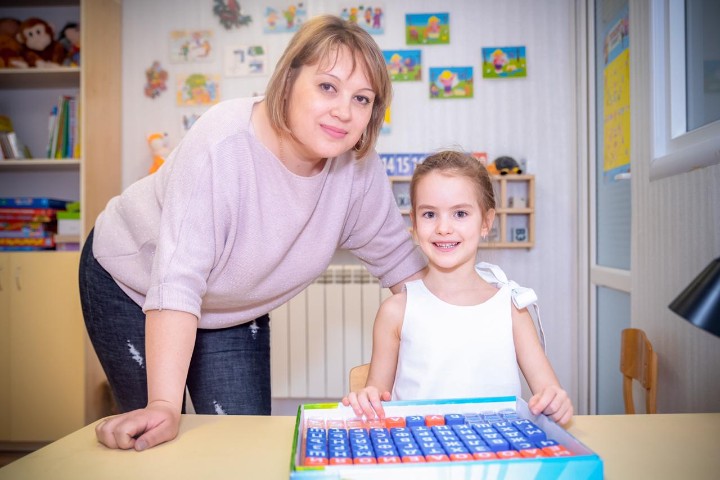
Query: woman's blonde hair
point(319, 40)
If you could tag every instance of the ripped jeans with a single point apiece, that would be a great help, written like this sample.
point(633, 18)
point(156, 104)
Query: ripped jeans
point(230, 368)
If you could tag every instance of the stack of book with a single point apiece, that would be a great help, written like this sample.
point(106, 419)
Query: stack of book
point(64, 129)
point(29, 223)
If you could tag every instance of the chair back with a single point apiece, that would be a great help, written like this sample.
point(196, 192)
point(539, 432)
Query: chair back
point(638, 361)
point(358, 376)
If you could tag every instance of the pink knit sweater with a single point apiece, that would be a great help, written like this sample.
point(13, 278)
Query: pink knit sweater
point(224, 231)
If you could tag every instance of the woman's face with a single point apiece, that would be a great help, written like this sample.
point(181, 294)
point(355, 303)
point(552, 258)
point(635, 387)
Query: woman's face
point(330, 107)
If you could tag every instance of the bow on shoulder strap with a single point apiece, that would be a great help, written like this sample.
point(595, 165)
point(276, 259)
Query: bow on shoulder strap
point(522, 297)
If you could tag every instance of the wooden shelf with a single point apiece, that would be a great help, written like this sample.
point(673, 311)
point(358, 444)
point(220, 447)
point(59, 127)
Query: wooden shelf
point(506, 217)
point(26, 78)
point(40, 164)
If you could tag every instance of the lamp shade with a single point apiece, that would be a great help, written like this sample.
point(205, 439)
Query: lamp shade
point(699, 303)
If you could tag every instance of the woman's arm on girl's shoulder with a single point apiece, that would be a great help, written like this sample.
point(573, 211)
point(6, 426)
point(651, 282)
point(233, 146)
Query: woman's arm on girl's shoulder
point(383, 364)
point(548, 397)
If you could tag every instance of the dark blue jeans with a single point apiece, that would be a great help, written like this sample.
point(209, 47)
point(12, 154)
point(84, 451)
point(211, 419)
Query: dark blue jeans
point(230, 367)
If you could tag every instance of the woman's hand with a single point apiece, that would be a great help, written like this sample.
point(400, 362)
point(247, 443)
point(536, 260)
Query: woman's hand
point(554, 402)
point(140, 429)
point(367, 402)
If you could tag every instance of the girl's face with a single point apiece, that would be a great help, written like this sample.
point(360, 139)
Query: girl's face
point(449, 221)
point(330, 107)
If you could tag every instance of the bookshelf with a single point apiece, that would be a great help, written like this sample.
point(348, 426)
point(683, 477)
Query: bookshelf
point(514, 225)
point(42, 295)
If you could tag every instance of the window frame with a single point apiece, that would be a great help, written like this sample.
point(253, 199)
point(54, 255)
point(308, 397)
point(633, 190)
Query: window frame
point(675, 150)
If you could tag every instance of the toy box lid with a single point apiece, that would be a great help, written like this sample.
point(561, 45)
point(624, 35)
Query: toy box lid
point(583, 464)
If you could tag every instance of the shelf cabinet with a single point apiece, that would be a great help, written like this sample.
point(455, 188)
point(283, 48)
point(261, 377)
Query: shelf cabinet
point(61, 387)
point(514, 225)
point(42, 347)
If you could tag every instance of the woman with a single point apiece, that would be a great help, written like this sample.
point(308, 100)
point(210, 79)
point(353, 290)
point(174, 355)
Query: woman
point(182, 268)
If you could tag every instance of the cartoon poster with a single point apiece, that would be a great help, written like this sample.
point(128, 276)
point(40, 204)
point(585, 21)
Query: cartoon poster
point(504, 62)
point(427, 28)
point(404, 65)
point(370, 16)
point(245, 60)
point(451, 82)
point(284, 17)
point(189, 46)
point(198, 89)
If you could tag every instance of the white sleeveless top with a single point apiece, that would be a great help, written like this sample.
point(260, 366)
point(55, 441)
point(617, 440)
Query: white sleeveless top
point(451, 351)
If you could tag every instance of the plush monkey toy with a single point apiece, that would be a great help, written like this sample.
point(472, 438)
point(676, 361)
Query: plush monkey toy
point(38, 45)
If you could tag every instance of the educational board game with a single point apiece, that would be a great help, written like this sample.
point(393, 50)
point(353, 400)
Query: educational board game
point(479, 438)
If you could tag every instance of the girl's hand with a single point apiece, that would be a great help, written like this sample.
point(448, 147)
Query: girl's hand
point(554, 402)
point(140, 429)
point(367, 402)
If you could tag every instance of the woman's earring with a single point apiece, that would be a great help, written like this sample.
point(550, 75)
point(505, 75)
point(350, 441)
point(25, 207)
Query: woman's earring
point(360, 143)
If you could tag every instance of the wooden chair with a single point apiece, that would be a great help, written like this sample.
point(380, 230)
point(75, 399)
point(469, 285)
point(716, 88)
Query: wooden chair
point(358, 376)
point(638, 361)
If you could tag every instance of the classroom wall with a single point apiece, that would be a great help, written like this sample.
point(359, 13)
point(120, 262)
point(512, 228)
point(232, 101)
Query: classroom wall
point(676, 233)
point(531, 118)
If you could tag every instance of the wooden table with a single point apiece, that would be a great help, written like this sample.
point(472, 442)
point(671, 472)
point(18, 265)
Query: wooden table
point(672, 446)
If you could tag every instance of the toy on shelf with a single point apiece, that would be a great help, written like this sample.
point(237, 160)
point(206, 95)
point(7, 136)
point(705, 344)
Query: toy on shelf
point(504, 166)
point(38, 46)
point(158, 143)
point(10, 48)
point(69, 38)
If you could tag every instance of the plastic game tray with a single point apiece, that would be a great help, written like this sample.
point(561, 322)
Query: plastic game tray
point(577, 462)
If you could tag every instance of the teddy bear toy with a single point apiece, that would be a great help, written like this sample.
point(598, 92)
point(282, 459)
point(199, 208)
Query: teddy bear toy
point(159, 147)
point(38, 46)
point(9, 47)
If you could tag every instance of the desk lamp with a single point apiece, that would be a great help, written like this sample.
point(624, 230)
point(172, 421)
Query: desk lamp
point(699, 303)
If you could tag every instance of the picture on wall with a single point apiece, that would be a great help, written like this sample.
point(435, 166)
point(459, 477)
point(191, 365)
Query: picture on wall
point(245, 60)
point(283, 17)
point(198, 89)
point(368, 16)
point(190, 46)
point(404, 65)
point(427, 28)
point(504, 62)
point(451, 82)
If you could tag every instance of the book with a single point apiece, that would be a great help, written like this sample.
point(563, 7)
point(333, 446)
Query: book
point(27, 214)
point(52, 121)
point(33, 202)
point(46, 242)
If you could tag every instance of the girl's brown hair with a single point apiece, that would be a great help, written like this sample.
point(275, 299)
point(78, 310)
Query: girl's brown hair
point(451, 162)
point(320, 40)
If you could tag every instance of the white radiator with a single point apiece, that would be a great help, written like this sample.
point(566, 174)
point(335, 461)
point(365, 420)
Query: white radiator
point(318, 336)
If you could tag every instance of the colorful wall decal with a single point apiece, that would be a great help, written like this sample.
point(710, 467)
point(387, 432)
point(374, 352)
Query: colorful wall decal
point(368, 16)
point(188, 46)
point(504, 62)
point(451, 82)
point(427, 28)
point(404, 65)
point(282, 17)
point(198, 89)
point(245, 60)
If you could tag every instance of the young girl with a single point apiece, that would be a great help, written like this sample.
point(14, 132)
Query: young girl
point(453, 334)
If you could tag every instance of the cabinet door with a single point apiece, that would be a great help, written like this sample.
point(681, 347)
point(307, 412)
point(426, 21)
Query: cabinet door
point(4, 347)
point(47, 347)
